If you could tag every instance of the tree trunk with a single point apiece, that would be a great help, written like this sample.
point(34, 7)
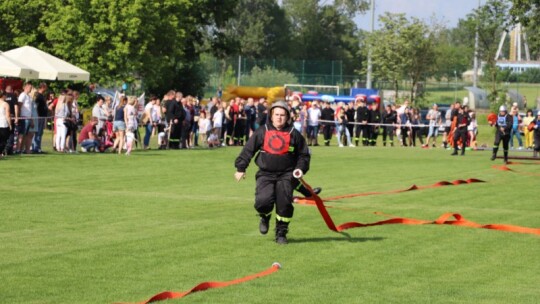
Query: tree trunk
point(412, 91)
point(396, 87)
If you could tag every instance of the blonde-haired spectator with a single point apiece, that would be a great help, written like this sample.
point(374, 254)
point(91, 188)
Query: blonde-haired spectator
point(60, 113)
point(529, 135)
point(130, 117)
point(119, 125)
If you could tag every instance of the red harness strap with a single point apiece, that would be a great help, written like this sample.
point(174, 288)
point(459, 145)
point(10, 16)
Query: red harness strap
point(442, 220)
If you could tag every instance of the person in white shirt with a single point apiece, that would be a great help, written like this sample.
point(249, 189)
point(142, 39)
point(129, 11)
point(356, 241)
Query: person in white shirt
point(25, 122)
point(150, 119)
point(435, 120)
point(218, 122)
point(472, 129)
point(99, 112)
point(314, 114)
point(204, 127)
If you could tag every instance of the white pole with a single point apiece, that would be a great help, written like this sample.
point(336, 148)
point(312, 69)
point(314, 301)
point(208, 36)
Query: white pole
point(455, 85)
point(370, 67)
point(475, 74)
point(239, 69)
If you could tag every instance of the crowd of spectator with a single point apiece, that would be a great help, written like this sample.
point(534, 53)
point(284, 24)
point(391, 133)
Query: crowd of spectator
point(182, 122)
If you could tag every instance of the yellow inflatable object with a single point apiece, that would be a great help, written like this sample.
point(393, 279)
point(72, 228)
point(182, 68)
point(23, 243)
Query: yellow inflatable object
point(271, 94)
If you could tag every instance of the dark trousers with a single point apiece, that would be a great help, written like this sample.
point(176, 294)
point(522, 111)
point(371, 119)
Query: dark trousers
point(505, 138)
point(327, 132)
point(4, 136)
point(373, 134)
point(460, 134)
point(186, 128)
point(230, 131)
point(12, 139)
point(350, 127)
point(362, 130)
point(404, 135)
point(388, 132)
point(416, 132)
point(274, 189)
point(240, 132)
point(176, 134)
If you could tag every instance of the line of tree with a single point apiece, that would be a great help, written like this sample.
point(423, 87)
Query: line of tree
point(161, 42)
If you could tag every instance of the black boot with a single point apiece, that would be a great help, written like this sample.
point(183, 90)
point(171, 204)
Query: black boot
point(281, 232)
point(494, 156)
point(305, 192)
point(264, 224)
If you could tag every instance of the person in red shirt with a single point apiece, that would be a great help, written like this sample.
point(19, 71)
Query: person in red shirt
point(88, 138)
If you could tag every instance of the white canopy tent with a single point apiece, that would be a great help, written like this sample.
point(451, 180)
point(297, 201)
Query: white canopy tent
point(47, 66)
point(13, 68)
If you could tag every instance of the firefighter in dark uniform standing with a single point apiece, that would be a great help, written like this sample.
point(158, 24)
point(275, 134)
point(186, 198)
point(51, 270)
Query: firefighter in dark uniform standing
point(175, 117)
point(536, 129)
point(389, 119)
point(362, 127)
point(374, 118)
point(463, 120)
point(350, 113)
point(504, 127)
point(327, 114)
point(282, 150)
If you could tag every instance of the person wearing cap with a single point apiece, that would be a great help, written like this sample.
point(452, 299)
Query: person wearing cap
point(362, 127)
point(374, 120)
point(281, 150)
point(389, 119)
point(327, 114)
point(504, 127)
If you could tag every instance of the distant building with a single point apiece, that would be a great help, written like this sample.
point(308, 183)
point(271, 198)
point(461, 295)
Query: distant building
point(518, 66)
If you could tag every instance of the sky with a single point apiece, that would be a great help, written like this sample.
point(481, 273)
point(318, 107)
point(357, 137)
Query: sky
point(448, 10)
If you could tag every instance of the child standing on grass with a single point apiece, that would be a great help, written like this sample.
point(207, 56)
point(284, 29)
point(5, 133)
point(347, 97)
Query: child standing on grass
point(204, 127)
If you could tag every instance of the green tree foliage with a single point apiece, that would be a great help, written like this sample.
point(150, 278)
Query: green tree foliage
point(122, 40)
point(268, 77)
point(491, 20)
point(260, 28)
point(401, 49)
point(454, 54)
point(325, 31)
point(527, 12)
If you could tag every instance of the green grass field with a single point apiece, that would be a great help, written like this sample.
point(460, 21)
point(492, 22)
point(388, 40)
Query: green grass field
point(442, 93)
point(103, 228)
